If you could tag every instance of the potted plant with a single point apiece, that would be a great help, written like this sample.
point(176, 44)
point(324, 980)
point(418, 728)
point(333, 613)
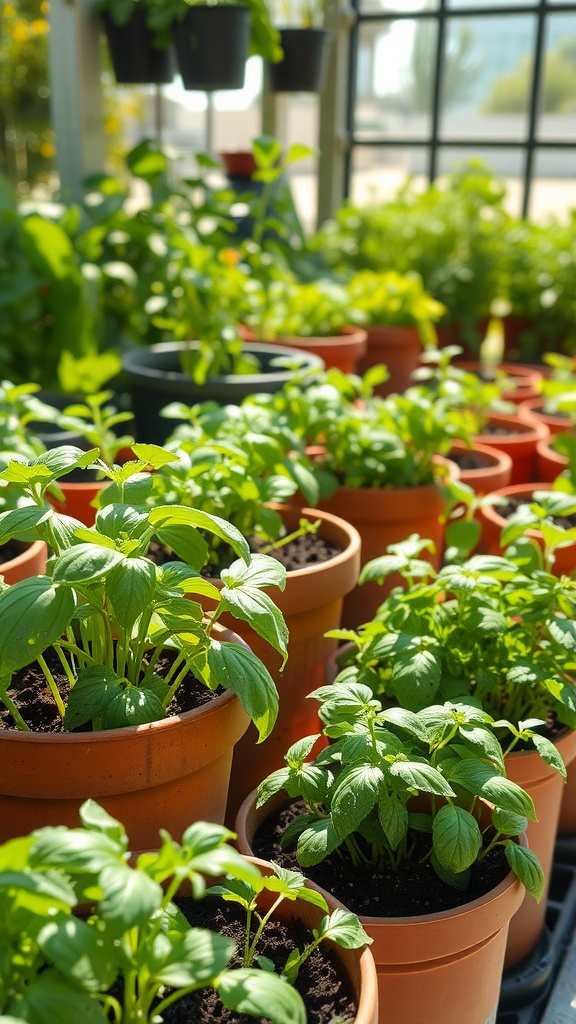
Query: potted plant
point(132, 922)
point(557, 406)
point(305, 47)
point(138, 54)
point(494, 632)
point(247, 482)
point(122, 648)
point(389, 817)
point(213, 41)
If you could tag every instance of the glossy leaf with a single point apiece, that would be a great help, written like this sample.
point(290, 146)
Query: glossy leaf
point(240, 671)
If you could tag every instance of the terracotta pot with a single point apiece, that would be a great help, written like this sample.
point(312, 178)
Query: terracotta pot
point(160, 775)
point(567, 821)
point(77, 500)
point(533, 410)
point(492, 524)
point(519, 444)
point(398, 347)
point(30, 562)
point(525, 380)
point(239, 163)
point(442, 968)
point(493, 471)
point(545, 787)
point(311, 605)
point(549, 462)
point(386, 516)
point(342, 351)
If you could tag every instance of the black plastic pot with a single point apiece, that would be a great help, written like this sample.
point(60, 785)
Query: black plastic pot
point(135, 60)
point(212, 47)
point(303, 68)
point(154, 378)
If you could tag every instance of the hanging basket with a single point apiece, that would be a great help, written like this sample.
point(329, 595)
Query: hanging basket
point(135, 61)
point(212, 47)
point(303, 68)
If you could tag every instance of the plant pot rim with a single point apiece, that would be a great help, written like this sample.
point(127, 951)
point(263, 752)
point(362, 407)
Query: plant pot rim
point(526, 429)
point(136, 363)
point(533, 409)
point(336, 525)
point(498, 459)
point(514, 490)
point(30, 550)
point(347, 337)
point(544, 448)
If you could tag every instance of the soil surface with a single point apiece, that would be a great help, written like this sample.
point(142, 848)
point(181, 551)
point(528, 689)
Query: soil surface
point(31, 695)
point(8, 551)
point(512, 504)
point(308, 550)
point(376, 892)
point(326, 993)
point(471, 460)
point(499, 430)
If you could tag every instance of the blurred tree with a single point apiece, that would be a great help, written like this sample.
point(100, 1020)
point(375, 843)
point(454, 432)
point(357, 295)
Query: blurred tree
point(510, 92)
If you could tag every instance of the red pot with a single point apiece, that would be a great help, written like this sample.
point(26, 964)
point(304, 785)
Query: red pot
point(495, 472)
point(492, 524)
point(398, 347)
point(341, 351)
point(533, 409)
point(519, 444)
point(549, 462)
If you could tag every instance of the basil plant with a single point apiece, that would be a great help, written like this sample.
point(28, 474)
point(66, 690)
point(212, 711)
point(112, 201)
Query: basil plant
point(107, 619)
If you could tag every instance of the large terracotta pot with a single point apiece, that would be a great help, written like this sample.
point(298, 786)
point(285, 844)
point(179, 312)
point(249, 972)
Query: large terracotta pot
point(386, 516)
point(30, 562)
point(342, 351)
point(493, 471)
point(549, 462)
point(160, 775)
point(311, 605)
point(519, 444)
point(532, 410)
point(442, 968)
point(492, 524)
point(524, 380)
point(398, 347)
point(546, 788)
point(78, 500)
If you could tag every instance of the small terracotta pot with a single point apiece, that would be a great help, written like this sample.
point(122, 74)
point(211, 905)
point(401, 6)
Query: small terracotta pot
point(311, 604)
point(30, 562)
point(546, 788)
point(398, 347)
point(519, 444)
point(549, 462)
point(163, 774)
point(442, 968)
point(532, 410)
point(77, 500)
point(494, 469)
point(342, 351)
point(492, 524)
point(525, 380)
point(383, 516)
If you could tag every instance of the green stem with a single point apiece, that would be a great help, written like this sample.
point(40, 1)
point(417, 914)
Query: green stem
point(263, 922)
point(53, 687)
point(19, 721)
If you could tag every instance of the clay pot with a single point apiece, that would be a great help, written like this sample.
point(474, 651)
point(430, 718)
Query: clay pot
point(342, 351)
point(546, 788)
point(567, 821)
point(30, 562)
point(311, 605)
point(78, 500)
point(493, 471)
point(386, 516)
point(549, 462)
point(519, 444)
point(163, 774)
point(492, 524)
point(532, 410)
point(398, 347)
point(525, 380)
point(442, 968)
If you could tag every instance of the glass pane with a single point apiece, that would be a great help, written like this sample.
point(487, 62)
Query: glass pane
point(486, 89)
point(378, 173)
point(558, 97)
point(393, 6)
point(507, 164)
point(394, 79)
point(553, 190)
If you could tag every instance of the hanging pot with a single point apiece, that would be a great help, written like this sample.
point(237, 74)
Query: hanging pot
point(135, 60)
point(303, 67)
point(212, 46)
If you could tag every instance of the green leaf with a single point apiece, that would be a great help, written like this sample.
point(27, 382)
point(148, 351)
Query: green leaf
point(299, 751)
point(508, 795)
point(508, 823)
point(197, 956)
point(180, 515)
point(79, 953)
point(261, 571)
point(20, 520)
point(563, 631)
point(96, 687)
point(416, 677)
point(549, 753)
point(240, 671)
point(272, 784)
point(85, 562)
point(317, 841)
point(96, 819)
point(130, 587)
point(259, 611)
point(345, 929)
point(421, 776)
point(355, 793)
point(33, 615)
point(135, 705)
point(130, 896)
point(74, 851)
point(456, 837)
point(261, 994)
point(52, 1000)
point(393, 818)
point(525, 864)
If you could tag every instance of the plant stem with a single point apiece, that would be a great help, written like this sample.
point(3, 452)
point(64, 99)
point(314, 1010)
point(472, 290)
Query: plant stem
point(53, 687)
point(20, 723)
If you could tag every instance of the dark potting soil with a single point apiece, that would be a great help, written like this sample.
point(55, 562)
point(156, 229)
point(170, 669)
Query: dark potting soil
point(30, 693)
point(499, 430)
point(567, 522)
point(471, 460)
point(375, 892)
point(307, 550)
point(327, 994)
point(8, 551)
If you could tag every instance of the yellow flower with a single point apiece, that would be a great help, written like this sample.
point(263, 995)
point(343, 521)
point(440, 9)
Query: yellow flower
point(47, 150)
point(39, 27)
point(44, 7)
point(230, 257)
point(20, 32)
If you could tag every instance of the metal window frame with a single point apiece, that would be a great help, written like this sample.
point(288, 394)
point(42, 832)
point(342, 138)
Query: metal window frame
point(528, 146)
